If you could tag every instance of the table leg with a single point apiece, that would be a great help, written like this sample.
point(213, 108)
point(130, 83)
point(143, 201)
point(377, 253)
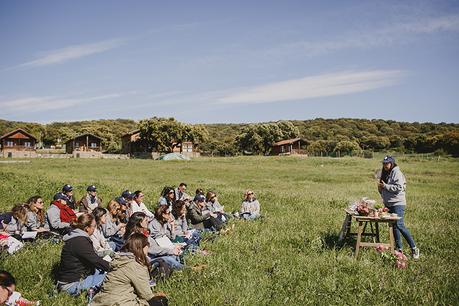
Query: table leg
point(373, 234)
point(359, 238)
point(391, 237)
point(377, 232)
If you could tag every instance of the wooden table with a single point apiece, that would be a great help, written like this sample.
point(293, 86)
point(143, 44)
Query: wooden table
point(362, 222)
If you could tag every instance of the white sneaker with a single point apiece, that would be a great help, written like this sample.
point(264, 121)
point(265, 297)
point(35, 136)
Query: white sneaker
point(415, 253)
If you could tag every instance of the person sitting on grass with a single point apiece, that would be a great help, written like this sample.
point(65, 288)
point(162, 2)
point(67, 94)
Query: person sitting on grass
point(36, 215)
point(18, 222)
point(163, 226)
point(67, 195)
point(100, 243)
point(167, 197)
point(80, 267)
point(128, 282)
point(180, 192)
point(138, 205)
point(201, 218)
point(250, 207)
point(113, 230)
point(59, 216)
point(215, 207)
point(13, 298)
point(90, 201)
point(181, 231)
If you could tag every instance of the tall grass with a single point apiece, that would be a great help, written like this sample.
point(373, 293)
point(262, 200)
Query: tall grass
point(289, 257)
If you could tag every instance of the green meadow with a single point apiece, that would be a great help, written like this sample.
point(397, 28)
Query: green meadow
point(289, 257)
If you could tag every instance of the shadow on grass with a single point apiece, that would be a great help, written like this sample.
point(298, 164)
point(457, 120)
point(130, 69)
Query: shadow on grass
point(330, 240)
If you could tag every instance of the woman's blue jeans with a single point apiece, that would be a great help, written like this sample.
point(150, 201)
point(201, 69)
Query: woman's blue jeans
point(92, 281)
point(400, 227)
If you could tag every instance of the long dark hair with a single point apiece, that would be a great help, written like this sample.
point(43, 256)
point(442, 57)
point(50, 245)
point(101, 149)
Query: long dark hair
point(98, 212)
point(31, 206)
point(177, 208)
point(135, 244)
point(385, 174)
point(133, 225)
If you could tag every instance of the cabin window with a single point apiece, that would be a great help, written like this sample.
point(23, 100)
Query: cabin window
point(77, 145)
point(93, 145)
point(282, 149)
point(27, 144)
point(187, 147)
point(9, 143)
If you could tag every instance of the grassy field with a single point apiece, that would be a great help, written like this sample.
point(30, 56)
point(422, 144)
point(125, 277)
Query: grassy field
point(290, 257)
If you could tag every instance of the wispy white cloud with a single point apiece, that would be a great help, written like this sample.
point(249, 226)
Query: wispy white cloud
point(44, 103)
point(69, 53)
point(396, 33)
point(324, 85)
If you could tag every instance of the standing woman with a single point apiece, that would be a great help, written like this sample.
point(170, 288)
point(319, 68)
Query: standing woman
point(128, 282)
point(392, 186)
point(36, 215)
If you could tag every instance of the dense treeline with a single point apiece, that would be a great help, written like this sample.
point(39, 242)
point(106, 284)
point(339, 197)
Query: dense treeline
point(324, 136)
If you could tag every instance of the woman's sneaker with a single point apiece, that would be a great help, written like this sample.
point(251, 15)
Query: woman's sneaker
point(415, 253)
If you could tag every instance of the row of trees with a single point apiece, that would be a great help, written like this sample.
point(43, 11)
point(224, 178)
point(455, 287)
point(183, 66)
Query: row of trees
point(324, 136)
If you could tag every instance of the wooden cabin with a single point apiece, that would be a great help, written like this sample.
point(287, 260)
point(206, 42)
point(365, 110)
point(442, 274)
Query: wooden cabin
point(132, 144)
point(18, 143)
point(84, 143)
point(288, 147)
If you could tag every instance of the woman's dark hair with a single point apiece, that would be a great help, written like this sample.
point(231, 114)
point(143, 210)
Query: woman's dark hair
point(133, 225)
point(385, 174)
point(166, 191)
point(210, 195)
point(199, 191)
point(159, 211)
point(135, 244)
point(177, 208)
point(98, 212)
point(6, 279)
point(137, 193)
point(83, 221)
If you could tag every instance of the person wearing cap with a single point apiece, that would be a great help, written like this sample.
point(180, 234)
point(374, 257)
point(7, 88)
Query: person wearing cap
point(67, 192)
point(90, 201)
point(392, 186)
point(200, 217)
point(59, 216)
point(138, 205)
point(250, 207)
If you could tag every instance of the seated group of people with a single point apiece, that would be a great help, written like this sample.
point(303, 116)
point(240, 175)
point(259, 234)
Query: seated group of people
point(120, 245)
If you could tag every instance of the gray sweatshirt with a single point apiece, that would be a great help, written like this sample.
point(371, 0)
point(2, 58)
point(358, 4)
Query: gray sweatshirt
point(157, 230)
point(110, 228)
point(33, 223)
point(53, 218)
point(181, 226)
point(252, 207)
point(393, 192)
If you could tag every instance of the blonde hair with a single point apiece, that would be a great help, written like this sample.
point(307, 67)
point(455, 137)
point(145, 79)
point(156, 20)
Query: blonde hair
point(246, 193)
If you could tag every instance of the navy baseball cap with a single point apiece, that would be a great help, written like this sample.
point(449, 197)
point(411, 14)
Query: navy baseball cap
point(126, 194)
point(199, 198)
point(388, 159)
point(60, 196)
point(67, 188)
point(121, 201)
point(91, 188)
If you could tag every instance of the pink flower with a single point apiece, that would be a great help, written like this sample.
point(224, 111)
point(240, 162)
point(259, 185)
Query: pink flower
point(400, 264)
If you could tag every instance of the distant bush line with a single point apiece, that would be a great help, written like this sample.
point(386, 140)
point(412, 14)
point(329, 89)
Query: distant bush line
point(326, 137)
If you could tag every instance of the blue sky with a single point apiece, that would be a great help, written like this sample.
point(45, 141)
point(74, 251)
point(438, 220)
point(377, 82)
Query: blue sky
point(229, 61)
